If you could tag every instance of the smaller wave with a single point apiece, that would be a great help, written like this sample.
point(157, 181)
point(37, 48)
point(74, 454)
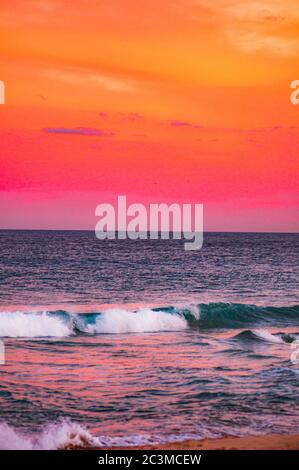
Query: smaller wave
point(61, 435)
point(264, 335)
point(68, 435)
point(65, 434)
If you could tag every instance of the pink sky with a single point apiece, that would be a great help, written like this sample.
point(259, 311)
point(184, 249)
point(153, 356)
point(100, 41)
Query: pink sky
point(185, 101)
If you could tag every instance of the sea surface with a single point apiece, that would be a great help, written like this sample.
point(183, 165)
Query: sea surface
point(124, 342)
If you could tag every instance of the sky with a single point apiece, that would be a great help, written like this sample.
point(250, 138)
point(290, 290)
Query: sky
point(183, 101)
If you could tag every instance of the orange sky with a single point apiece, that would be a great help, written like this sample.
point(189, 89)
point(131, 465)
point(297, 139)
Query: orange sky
point(171, 101)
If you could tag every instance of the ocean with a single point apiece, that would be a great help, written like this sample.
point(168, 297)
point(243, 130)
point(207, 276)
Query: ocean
point(121, 342)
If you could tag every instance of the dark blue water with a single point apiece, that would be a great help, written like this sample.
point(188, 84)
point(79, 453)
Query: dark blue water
point(123, 342)
point(46, 267)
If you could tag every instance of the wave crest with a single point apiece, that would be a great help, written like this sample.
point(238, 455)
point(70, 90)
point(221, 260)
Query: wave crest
point(145, 320)
point(32, 324)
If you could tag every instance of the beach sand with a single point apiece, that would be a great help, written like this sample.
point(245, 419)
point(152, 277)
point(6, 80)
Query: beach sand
point(271, 442)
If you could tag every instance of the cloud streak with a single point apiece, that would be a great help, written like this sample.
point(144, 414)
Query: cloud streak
point(102, 80)
point(179, 123)
point(85, 131)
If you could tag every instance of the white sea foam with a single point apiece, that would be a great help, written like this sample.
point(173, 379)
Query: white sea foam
point(266, 336)
point(67, 435)
point(12, 440)
point(55, 436)
point(144, 320)
point(31, 325)
point(117, 321)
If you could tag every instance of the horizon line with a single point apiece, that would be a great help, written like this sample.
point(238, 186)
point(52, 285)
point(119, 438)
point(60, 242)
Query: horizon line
point(159, 232)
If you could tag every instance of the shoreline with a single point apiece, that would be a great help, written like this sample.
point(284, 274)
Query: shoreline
point(268, 442)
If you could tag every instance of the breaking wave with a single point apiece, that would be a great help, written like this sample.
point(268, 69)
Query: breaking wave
point(32, 325)
point(56, 436)
point(60, 323)
point(68, 435)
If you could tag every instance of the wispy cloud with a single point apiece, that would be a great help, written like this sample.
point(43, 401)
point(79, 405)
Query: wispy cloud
point(179, 123)
point(258, 26)
point(261, 42)
point(132, 117)
point(82, 77)
point(85, 131)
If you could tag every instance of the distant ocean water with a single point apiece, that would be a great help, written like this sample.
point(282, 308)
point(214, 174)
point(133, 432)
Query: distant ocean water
point(132, 342)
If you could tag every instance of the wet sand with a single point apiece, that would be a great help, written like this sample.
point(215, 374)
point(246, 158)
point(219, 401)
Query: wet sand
point(271, 442)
